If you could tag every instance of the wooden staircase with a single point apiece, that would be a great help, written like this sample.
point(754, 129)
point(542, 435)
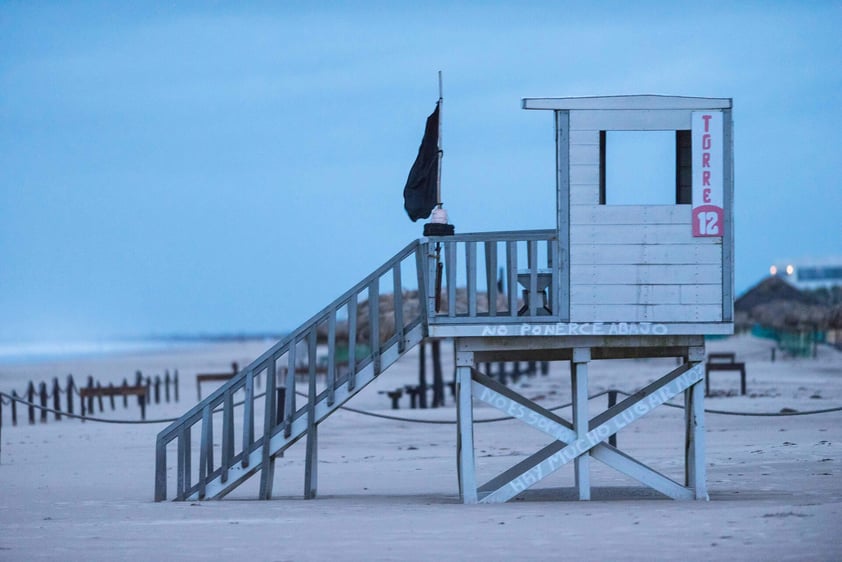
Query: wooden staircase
point(362, 332)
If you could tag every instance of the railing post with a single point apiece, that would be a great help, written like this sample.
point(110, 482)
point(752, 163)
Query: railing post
point(511, 276)
point(205, 450)
point(491, 277)
point(352, 343)
point(450, 270)
point(248, 416)
point(433, 289)
point(532, 260)
point(397, 295)
point(184, 464)
point(270, 417)
point(471, 268)
point(227, 452)
point(311, 459)
point(374, 323)
point(290, 385)
point(423, 289)
point(160, 470)
point(330, 376)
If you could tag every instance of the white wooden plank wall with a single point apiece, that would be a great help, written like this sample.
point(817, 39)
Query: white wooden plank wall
point(631, 120)
point(584, 167)
point(641, 264)
point(645, 313)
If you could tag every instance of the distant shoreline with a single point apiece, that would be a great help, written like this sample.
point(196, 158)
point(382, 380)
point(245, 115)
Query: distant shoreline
point(37, 352)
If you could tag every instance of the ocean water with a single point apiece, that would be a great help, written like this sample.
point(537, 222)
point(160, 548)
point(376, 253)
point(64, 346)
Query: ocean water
point(35, 352)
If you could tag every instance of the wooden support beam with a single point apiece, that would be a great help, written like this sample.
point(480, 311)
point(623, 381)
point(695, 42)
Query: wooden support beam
point(465, 431)
point(694, 407)
point(571, 445)
point(579, 382)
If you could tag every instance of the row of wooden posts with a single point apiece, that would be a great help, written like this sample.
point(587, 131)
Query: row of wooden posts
point(145, 389)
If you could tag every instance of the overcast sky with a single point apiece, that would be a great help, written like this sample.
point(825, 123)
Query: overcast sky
point(207, 167)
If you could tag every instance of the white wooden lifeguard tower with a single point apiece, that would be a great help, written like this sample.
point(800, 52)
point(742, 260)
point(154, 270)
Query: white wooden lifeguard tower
point(608, 282)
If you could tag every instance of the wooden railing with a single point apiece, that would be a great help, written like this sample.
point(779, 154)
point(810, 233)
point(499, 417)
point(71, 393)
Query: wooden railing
point(499, 276)
point(372, 317)
point(362, 333)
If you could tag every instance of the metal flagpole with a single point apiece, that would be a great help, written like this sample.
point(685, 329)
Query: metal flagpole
point(440, 152)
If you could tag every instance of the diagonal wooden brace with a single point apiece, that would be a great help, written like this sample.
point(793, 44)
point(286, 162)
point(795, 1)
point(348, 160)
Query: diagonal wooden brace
point(557, 454)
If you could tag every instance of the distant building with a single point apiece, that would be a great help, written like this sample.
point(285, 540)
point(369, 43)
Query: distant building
point(807, 274)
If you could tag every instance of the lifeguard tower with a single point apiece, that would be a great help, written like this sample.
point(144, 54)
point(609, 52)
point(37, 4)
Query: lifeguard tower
point(608, 282)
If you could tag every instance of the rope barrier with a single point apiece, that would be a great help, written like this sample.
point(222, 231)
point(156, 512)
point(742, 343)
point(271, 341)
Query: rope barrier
point(11, 398)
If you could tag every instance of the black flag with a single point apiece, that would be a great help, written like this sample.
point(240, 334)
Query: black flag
point(420, 195)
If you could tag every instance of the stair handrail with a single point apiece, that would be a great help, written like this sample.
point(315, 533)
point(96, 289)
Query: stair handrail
point(215, 398)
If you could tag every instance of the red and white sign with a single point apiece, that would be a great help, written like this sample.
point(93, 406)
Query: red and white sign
point(708, 168)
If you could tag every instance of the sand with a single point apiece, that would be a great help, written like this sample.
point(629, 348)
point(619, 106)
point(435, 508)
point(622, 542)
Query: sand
point(388, 489)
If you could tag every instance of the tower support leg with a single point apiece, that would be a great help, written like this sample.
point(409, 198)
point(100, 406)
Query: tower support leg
point(465, 428)
point(579, 381)
point(694, 454)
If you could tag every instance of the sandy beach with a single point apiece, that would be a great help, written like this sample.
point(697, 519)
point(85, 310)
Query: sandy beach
point(388, 488)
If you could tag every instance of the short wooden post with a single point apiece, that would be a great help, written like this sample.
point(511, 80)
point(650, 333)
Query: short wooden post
point(70, 389)
point(438, 377)
point(422, 375)
point(142, 403)
point(167, 381)
point(90, 396)
point(30, 397)
point(15, 399)
point(175, 384)
point(111, 395)
point(56, 400)
point(99, 397)
point(157, 389)
point(125, 394)
point(42, 398)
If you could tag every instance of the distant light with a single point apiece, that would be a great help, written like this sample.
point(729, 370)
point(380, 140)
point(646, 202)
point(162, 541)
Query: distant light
point(790, 270)
point(773, 270)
